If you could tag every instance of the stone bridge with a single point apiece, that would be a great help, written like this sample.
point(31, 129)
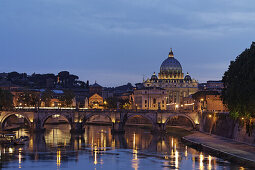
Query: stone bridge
point(78, 118)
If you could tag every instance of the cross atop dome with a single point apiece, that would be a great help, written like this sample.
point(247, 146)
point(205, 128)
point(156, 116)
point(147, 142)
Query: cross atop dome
point(171, 54)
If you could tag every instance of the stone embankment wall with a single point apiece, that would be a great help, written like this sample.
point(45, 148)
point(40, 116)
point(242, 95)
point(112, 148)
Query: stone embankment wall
point(222, 124)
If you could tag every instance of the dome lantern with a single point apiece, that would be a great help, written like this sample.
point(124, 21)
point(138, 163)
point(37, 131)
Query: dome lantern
point(171, 54)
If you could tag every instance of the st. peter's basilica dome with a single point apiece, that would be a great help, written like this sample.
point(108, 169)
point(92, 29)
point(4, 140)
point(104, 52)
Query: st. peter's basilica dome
point(171, 68)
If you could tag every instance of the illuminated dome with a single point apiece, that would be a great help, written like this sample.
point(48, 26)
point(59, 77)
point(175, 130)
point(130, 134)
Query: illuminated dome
point(171, 64)
point(171, 68)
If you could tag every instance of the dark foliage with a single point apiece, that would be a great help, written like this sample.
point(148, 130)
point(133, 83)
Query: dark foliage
point(46, 97)
point(6, 100)
point(67, 98)
point(113, 102)
point(36, 81)
point(239, 85)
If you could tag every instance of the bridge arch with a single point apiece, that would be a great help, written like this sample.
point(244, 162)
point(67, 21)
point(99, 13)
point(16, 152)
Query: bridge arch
point(69, 121)
point(180, 115)
point(130, 116)
point(4, 119)
point(90, 115)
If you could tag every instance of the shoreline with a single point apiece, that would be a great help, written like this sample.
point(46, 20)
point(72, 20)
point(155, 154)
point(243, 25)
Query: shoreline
point(218, 148)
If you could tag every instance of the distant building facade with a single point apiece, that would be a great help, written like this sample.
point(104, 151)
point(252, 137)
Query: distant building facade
point(121, 92)
point(208, 98)
point(212, 85)
point(150, 98)
point(215, 85)
point(171, 78)
point(95, 88)
point(209, 101)
point(214, 103)
point(96, 101)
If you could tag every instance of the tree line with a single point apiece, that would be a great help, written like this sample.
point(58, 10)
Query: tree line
point(31, 98)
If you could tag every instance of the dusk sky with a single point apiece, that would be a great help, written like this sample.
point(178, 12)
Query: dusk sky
point(119, 41)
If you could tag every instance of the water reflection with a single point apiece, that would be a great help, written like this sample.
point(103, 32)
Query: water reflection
point(57, 135)
point(20, 157)
point(58, 158)
point(98, 148)
point(135, 161)
point(209, 162)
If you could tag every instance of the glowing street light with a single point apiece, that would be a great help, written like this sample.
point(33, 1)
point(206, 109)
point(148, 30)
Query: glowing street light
point(176, 106)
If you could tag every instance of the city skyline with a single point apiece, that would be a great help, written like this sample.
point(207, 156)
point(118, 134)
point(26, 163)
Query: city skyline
point(121, 41)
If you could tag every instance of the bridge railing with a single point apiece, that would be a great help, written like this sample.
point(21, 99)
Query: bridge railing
point(72, 109)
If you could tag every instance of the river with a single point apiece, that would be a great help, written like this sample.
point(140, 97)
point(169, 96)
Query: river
point(97, 148)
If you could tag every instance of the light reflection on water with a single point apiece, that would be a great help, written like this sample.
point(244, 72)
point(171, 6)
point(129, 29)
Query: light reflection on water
point(97, 148)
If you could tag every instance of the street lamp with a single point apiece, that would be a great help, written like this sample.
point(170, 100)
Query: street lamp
point(176, 106)
point(202, 104)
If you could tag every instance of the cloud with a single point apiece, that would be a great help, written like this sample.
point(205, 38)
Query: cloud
point(123, 36)
point(150, 18)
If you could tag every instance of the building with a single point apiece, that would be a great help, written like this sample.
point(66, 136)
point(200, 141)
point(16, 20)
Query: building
point(121, 92)
point(172, 79)
point(95, 88)
point(96, 101)
point(214, 103)
point(107, 92)
point(215, 86)
point(202, 86)
point(150, 98)
point(209, 101)
point(212, 85)
point(80, 95)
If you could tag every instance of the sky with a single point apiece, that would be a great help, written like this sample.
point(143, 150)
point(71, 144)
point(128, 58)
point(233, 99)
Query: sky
point(119, 41)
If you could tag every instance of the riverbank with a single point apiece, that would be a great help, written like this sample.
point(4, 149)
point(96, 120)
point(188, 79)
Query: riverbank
point(178, 131)
point(222, 147)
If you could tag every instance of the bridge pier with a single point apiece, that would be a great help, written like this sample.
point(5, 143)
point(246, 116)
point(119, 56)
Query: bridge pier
point(158, 129)
point(118, 127)
point(36, 129)
point(36, 126)
point(77, 127)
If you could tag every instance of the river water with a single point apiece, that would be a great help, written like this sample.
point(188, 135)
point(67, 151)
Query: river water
point(98, 149)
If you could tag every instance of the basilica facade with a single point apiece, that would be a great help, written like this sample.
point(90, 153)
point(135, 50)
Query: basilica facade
point(177, 86)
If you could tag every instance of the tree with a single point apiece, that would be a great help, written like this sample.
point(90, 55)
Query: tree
point(125, 104)
point(239, 85)
point(111, 103)
point(6, 100)
point(46, 97)
point(67, 97)
point(35, 98)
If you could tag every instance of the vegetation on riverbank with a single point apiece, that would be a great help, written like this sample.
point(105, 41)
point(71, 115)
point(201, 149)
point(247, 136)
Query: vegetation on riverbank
point(239, 85)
